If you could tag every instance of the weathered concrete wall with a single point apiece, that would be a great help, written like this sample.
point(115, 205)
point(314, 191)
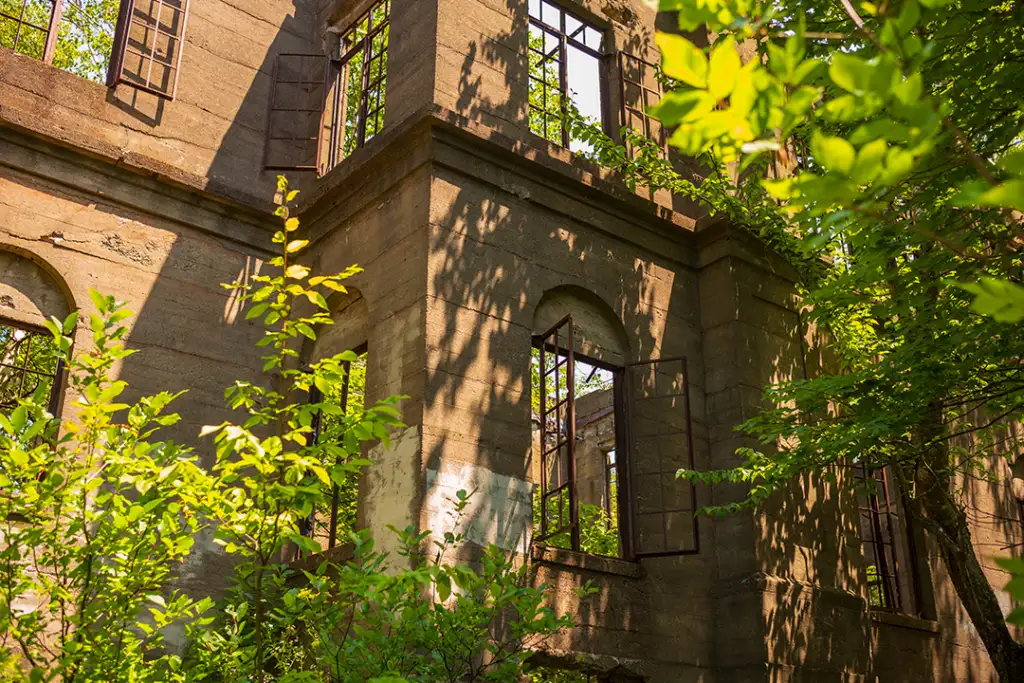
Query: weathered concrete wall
point(212, 135)
point(162, 250)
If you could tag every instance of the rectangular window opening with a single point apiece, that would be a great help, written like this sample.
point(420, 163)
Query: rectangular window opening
point(884, 542)
point(565, 70)
point(331, 523)
point(359, 83)
point(642, 86)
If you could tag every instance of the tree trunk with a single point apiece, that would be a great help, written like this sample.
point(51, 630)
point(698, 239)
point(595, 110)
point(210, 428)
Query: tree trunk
point(954, 539)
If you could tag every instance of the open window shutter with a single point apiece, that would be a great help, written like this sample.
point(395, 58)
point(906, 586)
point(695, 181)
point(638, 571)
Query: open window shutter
point(640, 91)
point(558, 510)
point(148, 43)
point(297, 98)
point(663, 508)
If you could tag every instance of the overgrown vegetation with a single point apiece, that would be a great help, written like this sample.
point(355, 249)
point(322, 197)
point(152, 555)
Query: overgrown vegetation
point(97, 514)
point(878, 147)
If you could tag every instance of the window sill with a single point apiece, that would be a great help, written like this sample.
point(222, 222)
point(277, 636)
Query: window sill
point(597, 564)
point(905, 621)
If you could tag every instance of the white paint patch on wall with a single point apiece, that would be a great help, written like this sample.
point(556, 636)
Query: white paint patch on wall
point(499, 512)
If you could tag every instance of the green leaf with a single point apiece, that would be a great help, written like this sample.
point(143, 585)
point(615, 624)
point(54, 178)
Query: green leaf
point(256, 311)
point(850, 73)
point(869, 162)
point(723, 69)
point(1001, 300)
point(683, 105)
point(291, 225)
point(296, 272)
point(1009, 195)
point(682, 60)
point(834, 153)
point(296, 245)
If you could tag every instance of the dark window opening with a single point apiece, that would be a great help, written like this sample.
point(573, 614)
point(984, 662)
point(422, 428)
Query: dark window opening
point(884, 542)
point(30, 362)
point(565, 70)
point(337, 517)
point(642, 87)
point(610, 440)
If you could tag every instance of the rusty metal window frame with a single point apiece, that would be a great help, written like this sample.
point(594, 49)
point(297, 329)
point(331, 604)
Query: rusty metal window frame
point(564, 38)
point(368, 40)
point(23, 372)
point(629, 64)
point(563, 448)
point(152, 27)
point(50, 31)
point(309, 81)
point(688, 514)
point(882, 534)
point(307, 527)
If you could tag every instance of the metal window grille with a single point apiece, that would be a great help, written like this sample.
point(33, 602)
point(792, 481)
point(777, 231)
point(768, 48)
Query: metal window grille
point(359, 83)
point(559, 513)
point(664, 509)
point(562, 48)
point(148, 46)
point(309, 526)
point(297, 97)
point(28, 360)
point(641, 89)
point(29, 27)
point(881, 538)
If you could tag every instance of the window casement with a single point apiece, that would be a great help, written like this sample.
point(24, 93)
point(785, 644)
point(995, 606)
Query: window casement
point(30, 361)
point(148, 46)
point(565, 63)
point(641, 88)
point(885, 542)
point(647, 510)
point(340, 97)
point(133, 42)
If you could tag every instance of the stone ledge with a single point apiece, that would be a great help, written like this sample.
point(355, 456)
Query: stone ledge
point(597, 564)
point(904, 621)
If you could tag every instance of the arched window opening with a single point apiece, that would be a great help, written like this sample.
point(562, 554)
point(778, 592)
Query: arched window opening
point(30, 361)
point(610, 436)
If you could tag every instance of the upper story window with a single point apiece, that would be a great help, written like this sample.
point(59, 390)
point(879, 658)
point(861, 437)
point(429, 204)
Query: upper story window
point(564, 70)
point(135, 42)
point(325, 107)
point(885, 542)
point(642, 87)
point(30, 361)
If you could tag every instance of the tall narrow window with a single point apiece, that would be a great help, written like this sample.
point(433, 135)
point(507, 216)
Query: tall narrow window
point(564, 71)
point(148, 46)
point(333, 522)
point(641, 90)
point(360, 83)
point(664, 508)
point(30, 362)
point(296, 113)
point(884, 542)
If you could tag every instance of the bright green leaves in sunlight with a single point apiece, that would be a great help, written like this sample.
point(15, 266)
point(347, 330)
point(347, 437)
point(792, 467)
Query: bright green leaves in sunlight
point(682, 60)
point(1000, 299)
point(1015, 566)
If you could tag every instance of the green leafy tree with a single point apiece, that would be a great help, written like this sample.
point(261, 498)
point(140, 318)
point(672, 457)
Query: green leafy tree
point(877, 147)
point(95, 514)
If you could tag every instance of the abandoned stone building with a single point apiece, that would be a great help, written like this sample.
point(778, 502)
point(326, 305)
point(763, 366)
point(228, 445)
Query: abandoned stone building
point(565, 345)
